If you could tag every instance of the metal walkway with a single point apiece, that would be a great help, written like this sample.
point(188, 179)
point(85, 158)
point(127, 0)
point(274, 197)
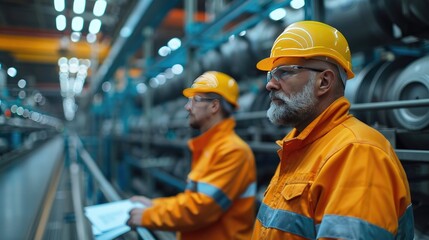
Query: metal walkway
point(27, 189)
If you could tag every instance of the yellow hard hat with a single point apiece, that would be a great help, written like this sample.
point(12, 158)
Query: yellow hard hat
point(215, 82)
point(310, 39)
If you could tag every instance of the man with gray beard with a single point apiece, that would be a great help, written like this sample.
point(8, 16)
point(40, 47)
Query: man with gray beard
point(338, 178)
point(293, 108)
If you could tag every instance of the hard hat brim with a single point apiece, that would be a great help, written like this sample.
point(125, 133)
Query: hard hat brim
point(267, 64)
point(190, 92)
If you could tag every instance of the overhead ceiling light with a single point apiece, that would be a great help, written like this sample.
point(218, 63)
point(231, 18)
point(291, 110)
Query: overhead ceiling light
point(91, 38)
point(59, 5)
point(73, 65)
point(21, 95)
point(94, 26)
point(161, 79)
point(12, 72)
point(174, 43)
point(77, 24)
point(106, 86)
point(278, 14)
point(99, 7)
point(141, 88)
point(297, 4)
point(164, 51)
point(154, 82)
point(177, 69)
point(61, 22)
point(62, 61)
point(22, 83)
point(75, 36)
point(79, 6)
point(168, 73)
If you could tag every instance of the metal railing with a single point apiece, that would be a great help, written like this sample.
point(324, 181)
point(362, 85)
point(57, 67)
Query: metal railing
point(76, 149)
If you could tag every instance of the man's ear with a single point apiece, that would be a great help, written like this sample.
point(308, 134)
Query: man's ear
point(326, 82)
point(215, 106)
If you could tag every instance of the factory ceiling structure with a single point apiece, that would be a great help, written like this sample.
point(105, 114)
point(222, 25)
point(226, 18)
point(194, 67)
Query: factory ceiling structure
point(31, 43)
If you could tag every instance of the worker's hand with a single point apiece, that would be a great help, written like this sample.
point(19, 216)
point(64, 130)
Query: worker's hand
point(142, 199)
point(135, 219)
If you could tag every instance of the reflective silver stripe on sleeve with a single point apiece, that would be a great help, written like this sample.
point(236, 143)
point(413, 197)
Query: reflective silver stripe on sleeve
point(406, 225)
point(343, 227)
point(207, 189)
point(250, 191)
point(286, 221)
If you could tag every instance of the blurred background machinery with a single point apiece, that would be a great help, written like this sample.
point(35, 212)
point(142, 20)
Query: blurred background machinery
point(130, 112)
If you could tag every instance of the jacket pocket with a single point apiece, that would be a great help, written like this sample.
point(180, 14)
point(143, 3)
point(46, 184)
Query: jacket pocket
point(291, 191)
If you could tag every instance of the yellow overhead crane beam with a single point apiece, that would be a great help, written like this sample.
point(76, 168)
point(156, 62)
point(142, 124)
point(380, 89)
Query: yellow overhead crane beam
point(42, 49)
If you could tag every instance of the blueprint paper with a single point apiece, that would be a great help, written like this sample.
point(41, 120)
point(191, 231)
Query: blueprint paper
point(109, 219)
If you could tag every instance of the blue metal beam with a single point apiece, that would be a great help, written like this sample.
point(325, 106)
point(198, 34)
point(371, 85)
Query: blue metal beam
point(210, 35)
point(147, 13)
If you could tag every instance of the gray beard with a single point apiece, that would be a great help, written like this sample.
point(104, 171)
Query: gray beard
point(294, 109)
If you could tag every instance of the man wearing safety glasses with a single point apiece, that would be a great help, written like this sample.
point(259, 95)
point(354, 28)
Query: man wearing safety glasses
point(338, 178)
point(219, 199)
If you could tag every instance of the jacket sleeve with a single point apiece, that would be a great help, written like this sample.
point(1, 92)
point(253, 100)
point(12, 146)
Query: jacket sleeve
point(362, 190)
point(205, 200)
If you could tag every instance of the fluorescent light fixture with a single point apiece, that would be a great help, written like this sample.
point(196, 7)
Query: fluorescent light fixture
point(297, 4)
point(79, 6)
point(64, 69)
point(177, 69)
point(75, 36)
point(164, 51)
point(106, 86)
point(94, 26)
point(22, 83)
point(62, 61)
point(278, 14)
point(91, 38)
point(99, 8)
point(161, 78)
point(21, 95)
point(141, 88)
point(12, 72)
point(61, 22)
point(174, 43)
point(168, 73)
point(154, 82)
point(77, 24)
point(59, 5)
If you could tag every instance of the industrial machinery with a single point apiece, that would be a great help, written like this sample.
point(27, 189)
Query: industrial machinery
point(148, 152)
point(137, 129)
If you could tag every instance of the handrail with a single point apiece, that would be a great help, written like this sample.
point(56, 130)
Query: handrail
point(105, 187)
point(81, 229)
point(110, 193)
point(354, 107)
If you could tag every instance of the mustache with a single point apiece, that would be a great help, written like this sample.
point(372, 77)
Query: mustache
point(277, 95)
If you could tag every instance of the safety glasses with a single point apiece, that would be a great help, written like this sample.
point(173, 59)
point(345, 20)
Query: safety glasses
point(286, 71)
point(197, 99)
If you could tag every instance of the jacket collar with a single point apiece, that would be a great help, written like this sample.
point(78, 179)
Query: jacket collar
point(334, 115)
point(215, 132)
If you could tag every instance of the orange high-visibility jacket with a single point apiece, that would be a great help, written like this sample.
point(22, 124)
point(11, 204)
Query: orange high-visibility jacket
point(219, 200)
point(338, 179)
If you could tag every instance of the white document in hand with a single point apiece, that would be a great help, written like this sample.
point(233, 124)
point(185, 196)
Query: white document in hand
point(108, 216)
